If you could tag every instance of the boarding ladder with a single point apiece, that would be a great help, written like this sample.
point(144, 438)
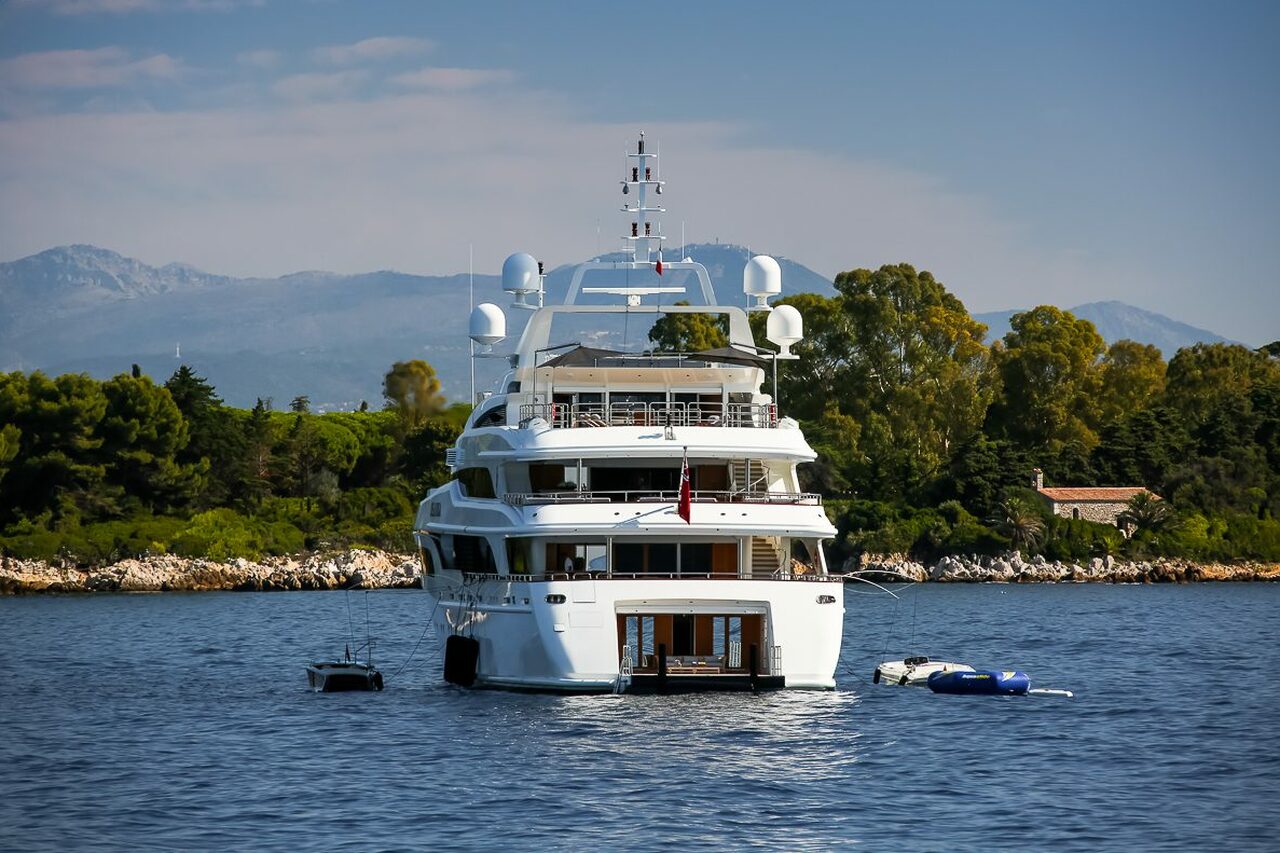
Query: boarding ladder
point(626, 668)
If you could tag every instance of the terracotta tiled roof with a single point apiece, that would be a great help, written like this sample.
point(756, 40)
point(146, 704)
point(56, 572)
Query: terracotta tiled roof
point(1115, 494)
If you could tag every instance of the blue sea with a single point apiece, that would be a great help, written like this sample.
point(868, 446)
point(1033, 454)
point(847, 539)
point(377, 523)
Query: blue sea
point(183, 722)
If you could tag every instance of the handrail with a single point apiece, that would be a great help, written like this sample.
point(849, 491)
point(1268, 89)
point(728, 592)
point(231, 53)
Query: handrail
point(658, 496)
point(643, 576)
point(676, 414)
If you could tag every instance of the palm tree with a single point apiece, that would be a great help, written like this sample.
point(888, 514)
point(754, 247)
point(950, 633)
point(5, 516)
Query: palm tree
point(1021, 522)
point(1147, 512)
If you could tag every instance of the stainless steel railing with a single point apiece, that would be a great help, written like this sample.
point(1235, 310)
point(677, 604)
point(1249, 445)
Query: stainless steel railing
point(564, 415)
point(574, 496)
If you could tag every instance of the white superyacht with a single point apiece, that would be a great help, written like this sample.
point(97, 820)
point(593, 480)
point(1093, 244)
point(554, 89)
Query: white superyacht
point(631, 521)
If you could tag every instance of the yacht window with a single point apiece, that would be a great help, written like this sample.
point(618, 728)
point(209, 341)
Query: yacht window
point(519, 557)
point(641, 480)
point(476, 482)
point(577, 557)
point(695, 558)
point(497, 416)
point(468, 554)
point(553, 478)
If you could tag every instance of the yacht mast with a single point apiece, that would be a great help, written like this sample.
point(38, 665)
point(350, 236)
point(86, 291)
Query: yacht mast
point(646, 237)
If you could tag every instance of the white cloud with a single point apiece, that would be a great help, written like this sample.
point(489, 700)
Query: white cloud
point(123, 7)
point(377, 49)
point(452, 79)
point(264, 59)
point(84, 69)
point(407, 180)
point(318, 86)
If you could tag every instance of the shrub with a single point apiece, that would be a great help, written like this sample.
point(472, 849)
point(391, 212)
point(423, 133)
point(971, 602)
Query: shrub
point(223, 534)
point(1073, 540)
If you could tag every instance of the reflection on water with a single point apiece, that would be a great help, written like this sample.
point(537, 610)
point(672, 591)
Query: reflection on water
point(184, 722)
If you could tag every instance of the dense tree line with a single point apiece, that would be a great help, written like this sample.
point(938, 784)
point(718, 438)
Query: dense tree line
point(97, 470)
point(926, 439)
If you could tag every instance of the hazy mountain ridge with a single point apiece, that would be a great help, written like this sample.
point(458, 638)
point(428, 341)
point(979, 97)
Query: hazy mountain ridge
point(84, 274)
point(1119, 321)
point(332, 336)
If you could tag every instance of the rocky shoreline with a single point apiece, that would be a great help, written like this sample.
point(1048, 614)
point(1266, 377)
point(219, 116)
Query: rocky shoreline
point(1014, 568)
point(354, 569)
point(359, 569)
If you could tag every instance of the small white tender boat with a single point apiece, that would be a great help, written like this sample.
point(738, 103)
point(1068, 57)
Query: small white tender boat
point(335, 676)
point(914, 671)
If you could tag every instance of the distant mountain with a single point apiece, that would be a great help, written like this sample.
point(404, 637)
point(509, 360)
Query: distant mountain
point(332, 337)
point(68, 276)
point(1117, 321)
point(326, 335)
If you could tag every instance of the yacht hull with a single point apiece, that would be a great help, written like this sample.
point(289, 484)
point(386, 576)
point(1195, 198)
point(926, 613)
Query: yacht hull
point(571, 635)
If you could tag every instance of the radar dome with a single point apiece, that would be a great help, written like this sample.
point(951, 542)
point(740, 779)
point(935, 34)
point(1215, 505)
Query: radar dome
point(520, 273)
point(488, 323)
point(761, 279)
point(785, 327)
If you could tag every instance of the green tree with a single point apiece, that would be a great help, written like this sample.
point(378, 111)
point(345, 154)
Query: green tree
point(320, 449)
point(981, 470)
point(10, 442)
point(301, 403)
point(1132, 375)
point(1049, 367)
point(1142, 448)
point(259, 442)
point(412, 389)
point(1146, 513)
point(1200, 377)
point(806, 386)
point(916, 374)
point(142, 429)
point(56, 468)
point(689, 332)
point(216, 437)
point(834, 437)
point(1021, 523)
point(422, 463)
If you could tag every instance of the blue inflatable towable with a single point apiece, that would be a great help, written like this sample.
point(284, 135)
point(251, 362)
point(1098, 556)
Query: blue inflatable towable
point(986, 682)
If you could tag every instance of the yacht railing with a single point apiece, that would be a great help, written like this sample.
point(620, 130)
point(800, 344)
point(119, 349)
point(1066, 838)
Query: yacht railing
point(563, 415)
point(655, 496)
point(810, 576)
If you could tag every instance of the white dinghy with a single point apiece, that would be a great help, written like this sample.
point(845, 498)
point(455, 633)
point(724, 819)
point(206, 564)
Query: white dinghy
point(914, 671)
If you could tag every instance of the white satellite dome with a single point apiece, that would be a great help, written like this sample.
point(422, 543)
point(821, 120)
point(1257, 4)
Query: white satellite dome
point(761, 279)
point(488, 323)
point(520, 273)
point(785, 327)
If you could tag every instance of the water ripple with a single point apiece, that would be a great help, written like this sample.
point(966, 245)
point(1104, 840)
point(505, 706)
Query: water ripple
point(173, 722)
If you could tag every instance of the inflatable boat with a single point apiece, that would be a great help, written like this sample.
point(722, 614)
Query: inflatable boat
point(987, 682)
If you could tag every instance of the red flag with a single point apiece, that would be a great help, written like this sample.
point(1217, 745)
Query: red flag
point(685, 507)
point(659, 266)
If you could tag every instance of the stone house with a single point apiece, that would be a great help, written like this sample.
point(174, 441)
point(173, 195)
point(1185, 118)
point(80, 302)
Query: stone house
point(1102, 504)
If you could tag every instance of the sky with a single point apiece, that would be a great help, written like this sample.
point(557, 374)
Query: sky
point(1024, 153)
